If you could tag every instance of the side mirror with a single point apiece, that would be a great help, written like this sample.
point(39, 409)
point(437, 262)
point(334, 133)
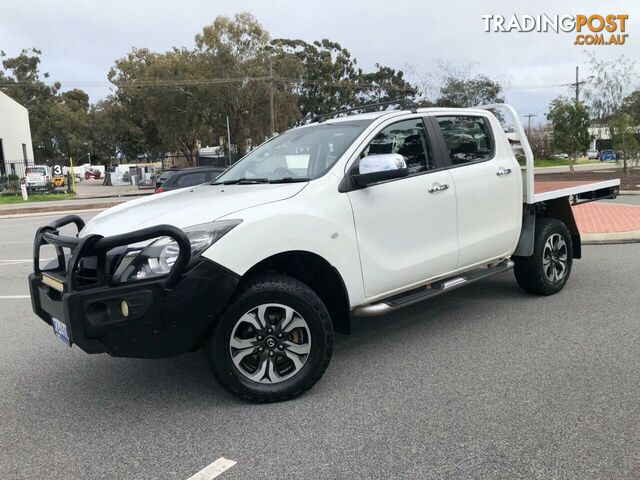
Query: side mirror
point(377, 168)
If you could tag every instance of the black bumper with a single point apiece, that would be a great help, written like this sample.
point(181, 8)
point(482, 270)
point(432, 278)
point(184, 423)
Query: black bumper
point(163, 317)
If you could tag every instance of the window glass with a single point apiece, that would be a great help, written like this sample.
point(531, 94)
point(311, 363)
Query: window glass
point(409, 139)
point(468, 138)
point(191, 179)
point(305, 152)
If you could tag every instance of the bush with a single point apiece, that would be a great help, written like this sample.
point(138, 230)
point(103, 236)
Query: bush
point(10, 187)
point(9, 178)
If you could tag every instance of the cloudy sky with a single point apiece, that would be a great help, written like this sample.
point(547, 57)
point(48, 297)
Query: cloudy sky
point(80, 39)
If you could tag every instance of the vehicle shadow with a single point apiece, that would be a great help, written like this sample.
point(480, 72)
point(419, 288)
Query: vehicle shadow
point(187, 378)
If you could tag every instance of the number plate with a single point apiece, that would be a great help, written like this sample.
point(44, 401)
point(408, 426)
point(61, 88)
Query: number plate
point(60, 329)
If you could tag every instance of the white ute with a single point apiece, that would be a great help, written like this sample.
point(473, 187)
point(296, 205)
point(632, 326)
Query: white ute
point(350, 214)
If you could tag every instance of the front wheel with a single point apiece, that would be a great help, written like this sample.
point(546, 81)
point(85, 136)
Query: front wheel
point(546, 272)
point(274, 341)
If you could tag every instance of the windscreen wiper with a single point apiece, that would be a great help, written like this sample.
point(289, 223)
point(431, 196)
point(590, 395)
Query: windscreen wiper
point(242, 181)
point(290, 180)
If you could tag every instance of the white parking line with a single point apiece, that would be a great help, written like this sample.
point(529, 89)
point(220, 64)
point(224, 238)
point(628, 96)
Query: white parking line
point(22, 260)
point(214, 469)
point(10, 297)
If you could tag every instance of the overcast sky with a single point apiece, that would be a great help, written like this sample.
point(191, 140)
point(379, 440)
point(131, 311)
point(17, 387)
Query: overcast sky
point(81, 39)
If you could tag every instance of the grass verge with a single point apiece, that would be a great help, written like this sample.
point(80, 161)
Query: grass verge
point(34, 197)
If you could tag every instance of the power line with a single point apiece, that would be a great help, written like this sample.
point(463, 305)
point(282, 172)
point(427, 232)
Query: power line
point(228, 80)
point(214, 81)
point(577, 84)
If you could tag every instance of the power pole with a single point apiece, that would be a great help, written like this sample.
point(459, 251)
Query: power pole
point(529, 116)
point(273, 127)
point(577, 84)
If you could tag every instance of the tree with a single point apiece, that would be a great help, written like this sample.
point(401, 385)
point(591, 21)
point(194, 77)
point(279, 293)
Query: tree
point(540, 140)
point(570, 122)
point(59, 120)
point(623, 129)
point(469, 92)
point(329, 79)
point(449, 86)
point(385, 84)
point(631, 106)
point(178, 99)
point(608, 86)
point(239, 48)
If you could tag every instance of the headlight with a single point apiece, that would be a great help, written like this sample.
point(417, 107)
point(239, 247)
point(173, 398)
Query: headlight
point(144, 261)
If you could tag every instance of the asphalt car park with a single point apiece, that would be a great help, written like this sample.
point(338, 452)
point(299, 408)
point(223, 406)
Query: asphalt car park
point(484, 382)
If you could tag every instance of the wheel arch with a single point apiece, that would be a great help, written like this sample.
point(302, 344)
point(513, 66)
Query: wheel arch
point(560, 209)
point(557, 208)
point(318, 274)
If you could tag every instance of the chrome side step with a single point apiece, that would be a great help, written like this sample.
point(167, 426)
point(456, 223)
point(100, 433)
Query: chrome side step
point(431, 290)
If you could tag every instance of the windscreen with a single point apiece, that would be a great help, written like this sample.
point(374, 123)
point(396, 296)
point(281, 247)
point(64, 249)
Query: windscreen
point(297, 155)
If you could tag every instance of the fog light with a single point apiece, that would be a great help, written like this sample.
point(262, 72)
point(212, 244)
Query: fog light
point(124, 307)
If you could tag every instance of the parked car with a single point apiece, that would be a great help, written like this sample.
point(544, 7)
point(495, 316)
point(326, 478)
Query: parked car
point(187, 177)
point(162, 177)
point(92, 173)
point(592, 154)
point(608, 155)
point(37, 177)
point(347, 215)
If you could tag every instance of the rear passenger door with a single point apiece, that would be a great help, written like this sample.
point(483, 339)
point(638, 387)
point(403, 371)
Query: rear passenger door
point(488, 189)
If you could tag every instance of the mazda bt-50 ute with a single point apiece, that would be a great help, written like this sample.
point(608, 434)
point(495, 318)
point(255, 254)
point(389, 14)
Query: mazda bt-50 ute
point(350, 214)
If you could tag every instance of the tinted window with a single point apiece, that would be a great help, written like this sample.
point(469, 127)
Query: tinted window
point(468, 138)
point(164, 175)
point(409, 139)
point(191, 179)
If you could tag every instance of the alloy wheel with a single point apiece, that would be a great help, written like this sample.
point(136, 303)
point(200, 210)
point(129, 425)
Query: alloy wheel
point(555, 258)
point(270, 343)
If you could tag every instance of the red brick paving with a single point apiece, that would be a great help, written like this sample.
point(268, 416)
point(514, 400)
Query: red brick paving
point(600, 217)
point(597, 217)
point(543, 187)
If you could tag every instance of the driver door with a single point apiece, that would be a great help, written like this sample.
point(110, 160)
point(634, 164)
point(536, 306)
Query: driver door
point(406, 227)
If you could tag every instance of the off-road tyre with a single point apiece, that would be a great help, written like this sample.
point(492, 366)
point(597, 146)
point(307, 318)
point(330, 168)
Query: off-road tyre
point(533, 273)
point(256, 293)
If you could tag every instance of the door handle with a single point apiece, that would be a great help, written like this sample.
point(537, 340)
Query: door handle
point(503, 171)
point(438, 188)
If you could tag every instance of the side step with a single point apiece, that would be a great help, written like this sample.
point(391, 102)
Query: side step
point(419, 294)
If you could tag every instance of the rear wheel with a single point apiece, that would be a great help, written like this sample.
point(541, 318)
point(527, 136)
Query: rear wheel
point(274, 342)
point(546, 272)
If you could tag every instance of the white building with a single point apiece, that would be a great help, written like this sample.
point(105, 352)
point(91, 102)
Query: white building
point(16, 150)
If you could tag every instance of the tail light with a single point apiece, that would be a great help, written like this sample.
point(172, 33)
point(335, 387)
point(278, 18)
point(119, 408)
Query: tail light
point(159, 190)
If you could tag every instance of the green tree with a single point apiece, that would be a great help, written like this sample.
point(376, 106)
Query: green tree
point(239, 48)
point(608, 86)
point(469, 92)
point(69, 124)
point(570, 122)
point(59, 120)
point(326, 74)
point(178, 99)
point(631, 106)
point(623, 133)
point(328, 77)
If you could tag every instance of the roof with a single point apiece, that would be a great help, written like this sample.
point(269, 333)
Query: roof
point(391, 113)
